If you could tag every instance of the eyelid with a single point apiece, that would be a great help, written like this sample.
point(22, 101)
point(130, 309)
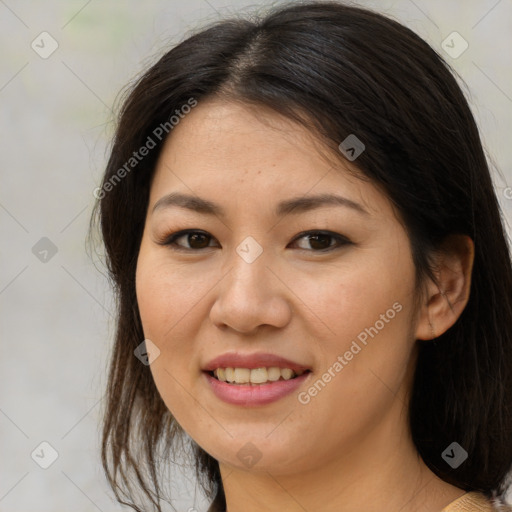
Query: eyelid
point(169, 240)
point(336, 236)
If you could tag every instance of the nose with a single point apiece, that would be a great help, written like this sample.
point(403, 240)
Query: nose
point(252, 295)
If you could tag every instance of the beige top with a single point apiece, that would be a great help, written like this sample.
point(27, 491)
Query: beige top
point(470, 502)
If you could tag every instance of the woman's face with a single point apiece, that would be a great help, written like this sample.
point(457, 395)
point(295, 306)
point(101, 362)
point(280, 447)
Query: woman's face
point(253, 283)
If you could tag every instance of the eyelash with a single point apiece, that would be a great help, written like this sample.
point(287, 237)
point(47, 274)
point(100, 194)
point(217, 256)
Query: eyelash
point(170, 241)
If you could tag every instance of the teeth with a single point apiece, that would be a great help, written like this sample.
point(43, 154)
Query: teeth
point(229, 375)
point(242, 375)
point(287, 373)
point(256, 375)
point(274, 373)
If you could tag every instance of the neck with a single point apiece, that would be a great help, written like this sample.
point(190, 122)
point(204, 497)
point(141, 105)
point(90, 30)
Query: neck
point(382, 471)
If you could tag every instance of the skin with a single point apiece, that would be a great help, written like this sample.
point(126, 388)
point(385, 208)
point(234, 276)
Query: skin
point(350, 447)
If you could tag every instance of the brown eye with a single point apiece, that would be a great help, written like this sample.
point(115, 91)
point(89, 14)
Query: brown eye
point(196, 240)
point(321, 241)
point(318, 241)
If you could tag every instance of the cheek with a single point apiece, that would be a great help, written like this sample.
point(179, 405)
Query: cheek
point(364, 365)
point(167, 295)
point(172, 306)
point(351, 298)
point(366, 312)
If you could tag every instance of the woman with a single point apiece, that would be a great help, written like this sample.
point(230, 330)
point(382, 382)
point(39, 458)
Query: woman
point(313, 277)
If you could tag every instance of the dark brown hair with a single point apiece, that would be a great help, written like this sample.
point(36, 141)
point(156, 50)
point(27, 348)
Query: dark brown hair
point(339, 70)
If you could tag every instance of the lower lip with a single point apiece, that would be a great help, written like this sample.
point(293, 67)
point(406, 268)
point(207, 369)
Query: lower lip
point(251, 395)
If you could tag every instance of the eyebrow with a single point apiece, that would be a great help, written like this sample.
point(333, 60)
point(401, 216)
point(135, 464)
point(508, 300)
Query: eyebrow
point(294, 205)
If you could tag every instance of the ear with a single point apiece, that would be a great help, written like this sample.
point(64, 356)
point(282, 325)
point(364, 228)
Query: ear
point(445, 300)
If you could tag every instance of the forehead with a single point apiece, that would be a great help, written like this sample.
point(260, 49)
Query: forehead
point(227, 148)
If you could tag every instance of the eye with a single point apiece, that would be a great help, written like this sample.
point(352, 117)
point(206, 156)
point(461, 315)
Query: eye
point(319, 241)
point(196, 240)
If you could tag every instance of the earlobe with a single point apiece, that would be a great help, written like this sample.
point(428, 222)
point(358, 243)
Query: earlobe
point(446, 299)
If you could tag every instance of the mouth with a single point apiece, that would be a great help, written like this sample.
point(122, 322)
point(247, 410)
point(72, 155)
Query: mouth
point(255, 376)
point(248, 389)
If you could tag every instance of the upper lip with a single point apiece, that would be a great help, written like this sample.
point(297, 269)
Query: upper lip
point(251, 361)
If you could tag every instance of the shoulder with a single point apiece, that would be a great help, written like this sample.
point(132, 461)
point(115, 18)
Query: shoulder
point(472, 502)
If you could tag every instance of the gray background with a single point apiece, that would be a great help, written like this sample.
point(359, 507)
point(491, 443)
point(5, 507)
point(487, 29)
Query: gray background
point(55, 125)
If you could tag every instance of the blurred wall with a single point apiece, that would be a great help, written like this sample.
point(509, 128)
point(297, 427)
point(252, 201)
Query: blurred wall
point(62, 64)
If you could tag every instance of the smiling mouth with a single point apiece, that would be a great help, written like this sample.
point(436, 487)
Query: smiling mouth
point(256, 376)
